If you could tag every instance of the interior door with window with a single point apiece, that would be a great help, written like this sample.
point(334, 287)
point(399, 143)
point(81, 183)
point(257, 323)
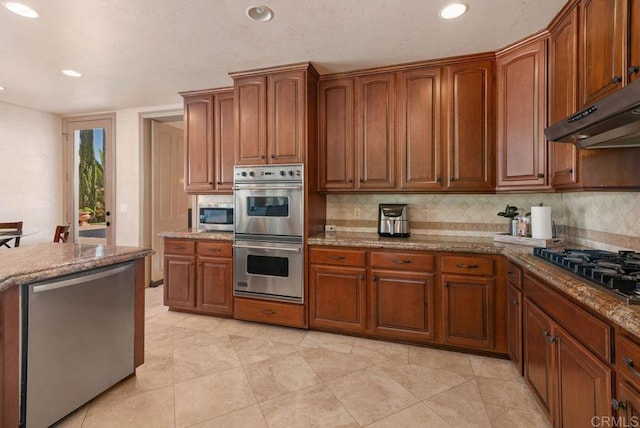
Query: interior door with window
point(89, 178)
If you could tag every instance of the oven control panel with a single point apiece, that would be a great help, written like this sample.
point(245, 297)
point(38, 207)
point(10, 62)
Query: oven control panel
point(278, 173)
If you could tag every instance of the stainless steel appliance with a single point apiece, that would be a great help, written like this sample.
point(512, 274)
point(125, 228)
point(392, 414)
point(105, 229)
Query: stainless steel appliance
point(269, 227)
point(618, 273)
point(77, 340)
point(215, 216)
point(613, 121)
point(393, 220)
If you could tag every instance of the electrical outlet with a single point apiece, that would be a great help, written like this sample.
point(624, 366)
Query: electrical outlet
point(329, 227)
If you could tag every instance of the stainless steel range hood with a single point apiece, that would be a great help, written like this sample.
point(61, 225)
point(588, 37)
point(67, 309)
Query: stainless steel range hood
point(613, 121)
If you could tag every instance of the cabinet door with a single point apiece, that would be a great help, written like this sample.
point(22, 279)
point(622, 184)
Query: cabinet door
point(286, 117)
point(601, 62)
point(538, 356)
point(250, 120)
point(470, 126)
point(584, 383)
point(402, 305)
point(514, 325)
point(522, 146)
point(375, 116)
point(337, 297)
point(628, 399)
point(215, 285)
point(180, 281)
point(337, 146)
point(563, 97)
point(198, 142)
point(224, 141)
point(633, 41)
point(419, 129)
point(468, 311)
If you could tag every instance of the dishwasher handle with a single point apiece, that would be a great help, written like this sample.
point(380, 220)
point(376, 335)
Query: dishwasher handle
point(79, 280)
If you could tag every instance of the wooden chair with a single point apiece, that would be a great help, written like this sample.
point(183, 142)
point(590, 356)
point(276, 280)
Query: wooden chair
point(62, 233)
point(12, 226)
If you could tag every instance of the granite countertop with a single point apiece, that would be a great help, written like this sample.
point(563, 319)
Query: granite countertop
point(591, 295)
point(191, 233)
point(24, 265)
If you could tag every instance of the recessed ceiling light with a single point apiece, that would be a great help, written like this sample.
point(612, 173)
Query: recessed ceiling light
point(454, 10)
point(20, 9)
point(1, 88)
point(259, 13)
point(72, 73)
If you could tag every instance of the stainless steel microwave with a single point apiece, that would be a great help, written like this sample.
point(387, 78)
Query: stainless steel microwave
point(215, 216)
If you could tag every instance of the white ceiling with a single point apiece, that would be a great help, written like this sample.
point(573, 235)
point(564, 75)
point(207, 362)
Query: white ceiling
point(136, 53)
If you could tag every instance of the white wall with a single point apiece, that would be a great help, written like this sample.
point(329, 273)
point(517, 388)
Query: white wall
point(129, 179)
point(31, 174)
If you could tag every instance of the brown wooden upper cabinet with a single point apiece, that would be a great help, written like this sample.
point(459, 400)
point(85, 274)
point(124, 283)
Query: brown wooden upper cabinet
point(208, 141)
point(271, 114)
point(633, 42)
point(470, 123)
point(563, 95)
point(603, 34)
point(417, 129)
point(521, 89)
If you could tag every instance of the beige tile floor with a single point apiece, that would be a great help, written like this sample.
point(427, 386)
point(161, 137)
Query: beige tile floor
point(211, 372)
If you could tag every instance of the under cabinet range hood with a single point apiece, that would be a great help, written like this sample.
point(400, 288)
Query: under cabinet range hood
point(613, 121)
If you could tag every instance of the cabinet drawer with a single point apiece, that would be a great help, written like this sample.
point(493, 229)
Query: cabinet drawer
point(628, 358)
point(405, 261)
point(214, 249)
point(289, 314)
point(337, 256)
point(179, 246)
point(469, 265)
point(514, 275)
point(589, 330)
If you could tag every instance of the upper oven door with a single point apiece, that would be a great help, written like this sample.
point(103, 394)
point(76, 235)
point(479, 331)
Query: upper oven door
point(269, 209)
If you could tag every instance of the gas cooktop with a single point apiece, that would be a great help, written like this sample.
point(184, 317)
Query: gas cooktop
point(617, 272)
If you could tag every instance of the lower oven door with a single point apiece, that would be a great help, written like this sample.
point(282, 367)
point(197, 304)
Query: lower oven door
point(268, 270)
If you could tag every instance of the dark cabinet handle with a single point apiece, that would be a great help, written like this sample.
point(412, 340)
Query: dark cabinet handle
point(211, 182)
point(362, 180)
point(219, 183)
point(268, 312)
point(332, 257)
point(375, 278)
point(201, 264)
point(446, 284)
point(273, 156)
point(438, 179)
point(361, 277)
point(616, 79)
point(629, 363)
point(633, 69)
point(262, 156)
point(515, 303)
point(617, 405)
point(568, 171)
point(466, 266)
point(549, 337)
point(214, 250)
point(511, 274)
point(540, 175)
point(349, 181)
point(401, 262)
point(177, 247)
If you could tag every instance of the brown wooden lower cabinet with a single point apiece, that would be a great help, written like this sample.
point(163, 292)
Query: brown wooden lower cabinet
point(403, 304)
point(337, 297)
point(468, 311)
point(266, 311)
point(626, 403)
point(572, 383)
point(514, 325)
point(198, 276)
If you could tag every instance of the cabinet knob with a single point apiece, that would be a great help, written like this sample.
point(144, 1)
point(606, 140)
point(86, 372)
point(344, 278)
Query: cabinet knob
point(633, 69)
point(361, 277)
point(219, 183)
point(540, 175)
point(568, 171)
point(273, 156)
point(446, 284)
point(362, 180)
point(375, 278)
point(262, 156)
point(349, 181)
point(515, 303)
point(616, 79)
point(438, 179)
point(617, 405)
point(549, 337)
point(211, 182)
point(511, 274)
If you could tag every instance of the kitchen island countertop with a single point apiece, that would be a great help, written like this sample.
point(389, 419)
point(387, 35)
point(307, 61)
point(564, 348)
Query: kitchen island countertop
point(28, 264)
point(590, 295)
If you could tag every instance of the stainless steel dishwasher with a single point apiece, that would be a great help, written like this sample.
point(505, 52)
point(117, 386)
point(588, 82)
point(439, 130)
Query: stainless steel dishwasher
point(77, 340)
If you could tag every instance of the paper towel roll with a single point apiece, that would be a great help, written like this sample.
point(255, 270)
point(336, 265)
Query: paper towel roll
point(541, 223)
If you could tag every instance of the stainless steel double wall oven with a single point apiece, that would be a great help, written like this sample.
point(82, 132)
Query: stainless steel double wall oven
point(269, 228)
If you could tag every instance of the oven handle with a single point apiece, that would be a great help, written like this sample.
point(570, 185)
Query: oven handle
point(256, 247)
point(258, 187)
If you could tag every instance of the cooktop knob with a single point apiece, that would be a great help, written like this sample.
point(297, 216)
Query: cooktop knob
point(291, 172)
point(251, 173)
point(282, 173)
point(244, 173)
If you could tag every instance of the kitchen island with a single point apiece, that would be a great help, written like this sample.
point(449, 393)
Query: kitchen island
point(48, 262)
